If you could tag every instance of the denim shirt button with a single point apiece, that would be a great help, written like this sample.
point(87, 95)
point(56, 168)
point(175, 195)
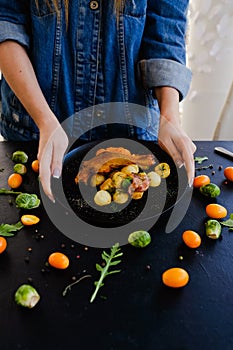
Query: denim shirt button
point(94, 5)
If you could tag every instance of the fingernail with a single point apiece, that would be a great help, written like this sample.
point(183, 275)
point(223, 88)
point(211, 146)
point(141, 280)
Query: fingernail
point(179, 163)
point(191, 183)
point(51, 198)
point(56, 173)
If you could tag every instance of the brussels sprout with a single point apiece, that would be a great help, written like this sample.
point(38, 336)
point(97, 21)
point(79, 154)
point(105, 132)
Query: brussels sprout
point(27, 296)
point(20, 169)
point(213, 229)
point(139, 239)
point(27, 201)
point(19, 157)
point(210, 190)
point(126, 183)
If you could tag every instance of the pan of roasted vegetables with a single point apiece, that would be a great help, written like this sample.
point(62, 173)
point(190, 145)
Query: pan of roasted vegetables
point(111, 183)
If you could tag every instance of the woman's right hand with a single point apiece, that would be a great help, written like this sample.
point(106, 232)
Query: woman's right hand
point(52, 146)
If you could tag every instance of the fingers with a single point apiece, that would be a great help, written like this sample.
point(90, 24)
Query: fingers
point(182, 153)
point(50, 156)
point(171, 149)
point(187, 155)
point(45, 158)
point(180, 147)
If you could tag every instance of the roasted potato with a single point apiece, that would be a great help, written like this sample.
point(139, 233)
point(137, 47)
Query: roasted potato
point(102, 198)
point(129, 169)
point(96, 180)
point(117, 178)
point(137, 195)
point(107, 185)
point(120, 197)
point(155, 179)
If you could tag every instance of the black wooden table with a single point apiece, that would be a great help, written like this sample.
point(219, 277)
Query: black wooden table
point(133, 310)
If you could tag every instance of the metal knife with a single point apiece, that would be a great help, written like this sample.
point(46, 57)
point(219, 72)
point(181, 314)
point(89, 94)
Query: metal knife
point(224, 151)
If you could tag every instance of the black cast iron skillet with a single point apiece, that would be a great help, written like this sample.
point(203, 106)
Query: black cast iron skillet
point(154, 202)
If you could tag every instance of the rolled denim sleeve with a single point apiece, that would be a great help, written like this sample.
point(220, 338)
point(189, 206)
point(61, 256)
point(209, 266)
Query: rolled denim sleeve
point(165, 72)
point(163, 50)
point(14, 21)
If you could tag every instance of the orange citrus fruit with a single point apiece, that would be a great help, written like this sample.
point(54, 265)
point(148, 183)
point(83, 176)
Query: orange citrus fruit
point(15, 180)
point(191, 239)
point(175, 277)
point(58, 260)
point(216, 211)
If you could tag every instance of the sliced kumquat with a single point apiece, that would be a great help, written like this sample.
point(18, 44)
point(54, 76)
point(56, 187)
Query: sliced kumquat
point(58, 260)
point(191, 238)
point(216, 211)
point(15, 180)
point(28, 220)
point(201, 180)
point(228, 173)
point(35, 165)
point(3, 244)
point(175, 277)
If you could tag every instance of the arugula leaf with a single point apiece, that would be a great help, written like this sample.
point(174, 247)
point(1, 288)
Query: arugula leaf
point(199, 160)
point(6, 229)
point(6, 191)
point(228, 222)
point(108, 258)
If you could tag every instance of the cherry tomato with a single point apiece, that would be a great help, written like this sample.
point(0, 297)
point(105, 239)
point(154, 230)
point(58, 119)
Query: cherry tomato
point(216, 211)
point(191, 239)
point(15, 180)
point(35, 165)
point(201, 180)
point(175, 277)
point(3, 244)
point(58, 260)
point(29, 219)
point(228, 173)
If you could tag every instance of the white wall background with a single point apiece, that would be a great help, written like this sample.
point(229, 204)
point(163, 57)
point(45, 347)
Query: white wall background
point(210, 57)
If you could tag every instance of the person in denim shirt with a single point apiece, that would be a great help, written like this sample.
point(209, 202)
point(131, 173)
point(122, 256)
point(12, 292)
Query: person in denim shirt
point(59, 57)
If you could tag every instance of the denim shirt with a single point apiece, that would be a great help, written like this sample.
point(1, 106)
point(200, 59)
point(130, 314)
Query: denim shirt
point(97, 57)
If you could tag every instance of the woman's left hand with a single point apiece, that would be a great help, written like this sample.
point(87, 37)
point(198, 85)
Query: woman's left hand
point(173, 139)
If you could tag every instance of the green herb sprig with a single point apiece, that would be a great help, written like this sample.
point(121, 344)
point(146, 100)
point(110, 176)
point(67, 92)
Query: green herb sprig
point(7, 229)
point(104, 270)
point(200, 160)
point(228, 222)
point(6, 191)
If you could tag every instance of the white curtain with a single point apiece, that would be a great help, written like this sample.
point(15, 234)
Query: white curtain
point(208, 109)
